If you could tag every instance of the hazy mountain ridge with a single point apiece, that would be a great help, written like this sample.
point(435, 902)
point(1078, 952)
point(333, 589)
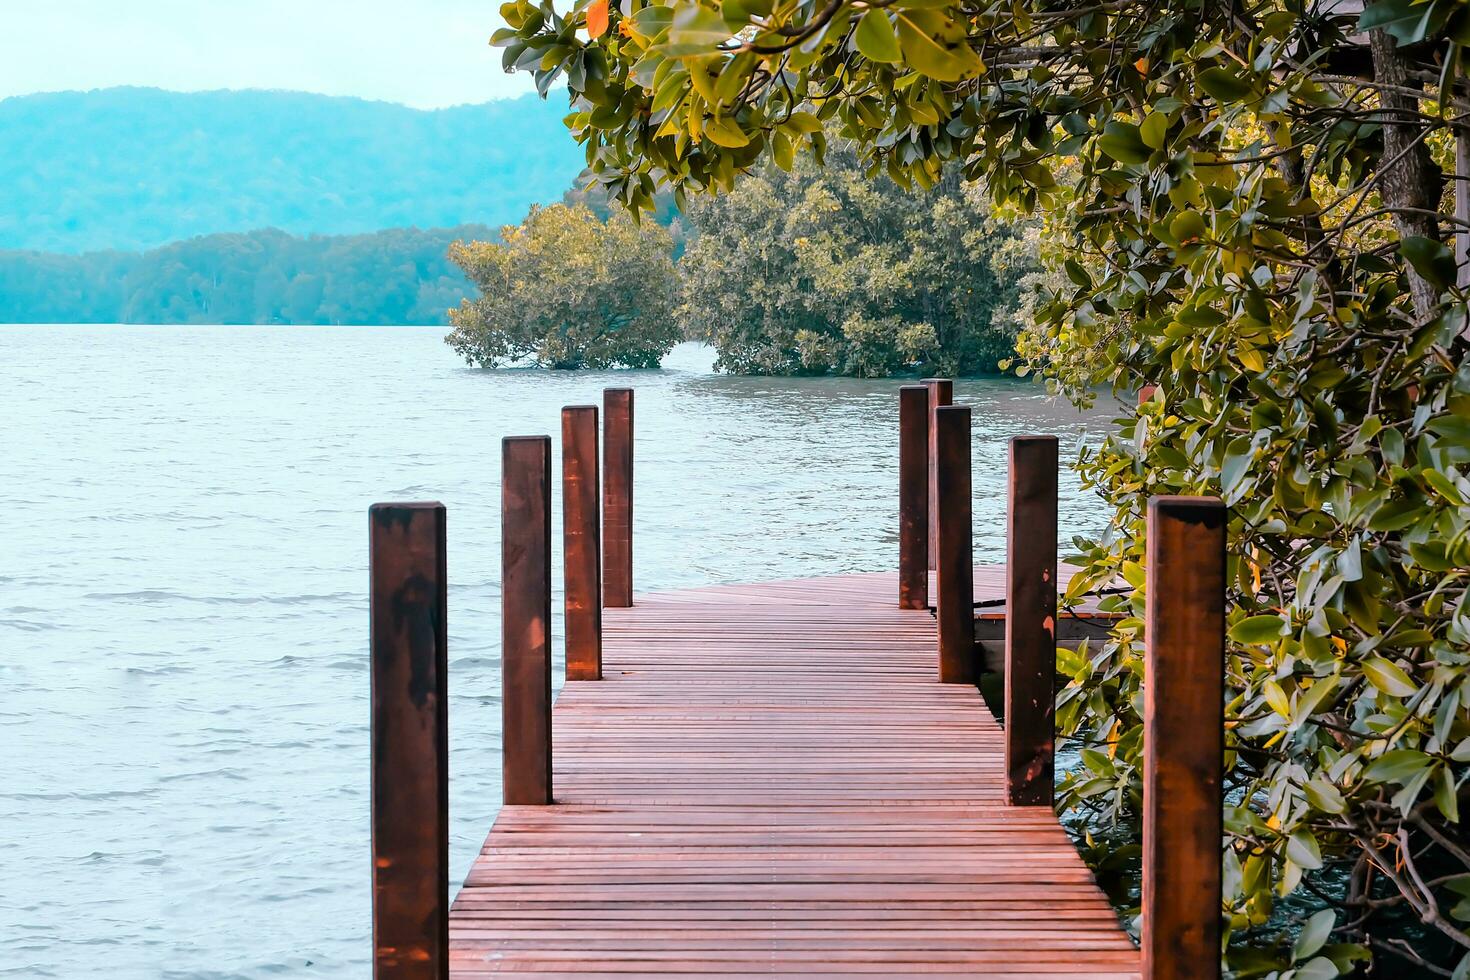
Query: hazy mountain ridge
point(134, 169)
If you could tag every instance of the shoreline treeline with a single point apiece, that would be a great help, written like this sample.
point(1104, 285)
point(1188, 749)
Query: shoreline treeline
point(394, 277)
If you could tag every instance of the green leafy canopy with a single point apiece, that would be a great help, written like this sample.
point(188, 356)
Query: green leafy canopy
point(1250, 207)
point(565, 289)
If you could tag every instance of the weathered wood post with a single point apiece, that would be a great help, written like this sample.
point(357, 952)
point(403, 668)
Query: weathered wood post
point(1031, 620)
point(913, 497)
point(525, 595)
point(581, 542)
point(410, 741)
point(954, 574)
point(617, 497)
point(941, 392)
point(1183, 737)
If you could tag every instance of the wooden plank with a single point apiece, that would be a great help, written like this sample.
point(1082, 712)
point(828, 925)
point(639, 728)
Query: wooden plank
point(410, 741)
point(1031, 620)
point(617, 497)
point(941, 393)
point(913, 497)
point(954, 569)
point(1184, 662)
point(525, 619)
point(768, 781)
point(581, 543)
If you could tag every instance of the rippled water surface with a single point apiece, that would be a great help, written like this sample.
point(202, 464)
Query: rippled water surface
point(183, 610)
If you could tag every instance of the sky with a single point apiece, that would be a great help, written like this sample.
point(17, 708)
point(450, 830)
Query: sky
point(423, 53)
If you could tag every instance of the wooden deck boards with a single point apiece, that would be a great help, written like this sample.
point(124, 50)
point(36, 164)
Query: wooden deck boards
point(769, 780)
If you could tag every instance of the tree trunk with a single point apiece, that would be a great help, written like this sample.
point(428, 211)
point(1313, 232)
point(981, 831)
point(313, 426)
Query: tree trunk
point(1408, 177)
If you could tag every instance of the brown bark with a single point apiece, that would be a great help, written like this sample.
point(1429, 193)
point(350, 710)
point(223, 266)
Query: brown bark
point(1408, 177)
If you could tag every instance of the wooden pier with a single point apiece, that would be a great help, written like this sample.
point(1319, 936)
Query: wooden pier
point(785, 778)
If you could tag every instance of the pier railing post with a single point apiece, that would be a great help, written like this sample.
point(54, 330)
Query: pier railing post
point(1183, 735)
point(913, 497)
point(941, 392)
point(525, 589)
point(617, 497)
point(581, 542)
point(954, 574)
point(410, 741)
point(1031, 617)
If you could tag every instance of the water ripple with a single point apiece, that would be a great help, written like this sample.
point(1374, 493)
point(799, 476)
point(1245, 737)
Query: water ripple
point(189, 589)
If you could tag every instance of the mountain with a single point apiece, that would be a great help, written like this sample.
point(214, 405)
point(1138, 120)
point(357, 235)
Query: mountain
point(401, 275)
point(134, 168)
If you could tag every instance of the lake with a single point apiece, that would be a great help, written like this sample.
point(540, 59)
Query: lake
point(183, 601)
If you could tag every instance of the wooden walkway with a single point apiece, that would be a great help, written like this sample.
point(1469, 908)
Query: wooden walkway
point(769, 780)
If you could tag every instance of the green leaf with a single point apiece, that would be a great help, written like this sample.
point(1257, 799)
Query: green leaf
point(1396, 766)
point(1323, 794)
point(1445, 796)
point(1302, 850)
point(1123, 143)
point(1224, 84)
point(1451, 429)
point(733, 78)
point(1266, 628)
point(1308, 703)
point(1188, 226)
point(782, 152)
point(735, 14)
point(1276, 698)
point(1153, 130)
point(1431, 259)
point(725, 132)
point(652, 21)
point(936, 45)
point(695, 30)
point(1314, 935)
point(1409, 22)
point(1389, 677)
point(1396, 515)
point(1235, 468)
point(804, 122)
point(1134, 574)
point(1077, 273)
point(1317, 968)
point(876, 38)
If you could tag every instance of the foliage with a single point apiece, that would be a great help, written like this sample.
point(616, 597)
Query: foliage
point(566, 290)
point(820, 270)
point(134, 169)
point(398, 276)
point(1250, 203)
point(664, 211)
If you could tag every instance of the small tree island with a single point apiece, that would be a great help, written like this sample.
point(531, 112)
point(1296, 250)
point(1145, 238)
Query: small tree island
point(567, 290)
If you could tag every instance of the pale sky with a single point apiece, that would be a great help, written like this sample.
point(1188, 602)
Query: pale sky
point(424, 53)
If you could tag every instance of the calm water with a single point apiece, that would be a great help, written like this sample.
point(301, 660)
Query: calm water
point(183, 616)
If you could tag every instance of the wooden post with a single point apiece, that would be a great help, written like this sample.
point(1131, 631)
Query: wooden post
point(1031, 618)
point(941, 392)
point(581, 542)
point(410, 741)
point(954, 574)
point(525, 595)
point(617, 497)
point(913, 497)
point(1183, 737)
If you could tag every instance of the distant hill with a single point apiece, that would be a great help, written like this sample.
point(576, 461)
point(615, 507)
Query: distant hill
point(398, 276)
point(133, 168)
